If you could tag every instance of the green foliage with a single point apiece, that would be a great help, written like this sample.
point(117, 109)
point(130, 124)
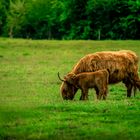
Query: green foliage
point(15, 18)
point(127, 18)
point(4, 5)
point(40, 19)
point(79, 19)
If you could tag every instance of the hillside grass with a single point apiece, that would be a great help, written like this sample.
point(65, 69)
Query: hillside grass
point(31, 106)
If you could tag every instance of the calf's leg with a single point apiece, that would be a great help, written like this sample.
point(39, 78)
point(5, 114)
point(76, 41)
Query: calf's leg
point(105, 92)
point(84, 94)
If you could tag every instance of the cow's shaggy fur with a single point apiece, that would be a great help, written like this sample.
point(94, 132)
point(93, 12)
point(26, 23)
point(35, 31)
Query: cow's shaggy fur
point(123, 66)
point(97, 80)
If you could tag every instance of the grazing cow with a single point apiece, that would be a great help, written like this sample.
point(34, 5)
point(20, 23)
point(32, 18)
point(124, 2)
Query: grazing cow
point(97, 80)
point(122, 66)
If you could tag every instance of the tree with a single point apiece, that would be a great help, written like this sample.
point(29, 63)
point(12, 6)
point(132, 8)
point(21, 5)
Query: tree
point(131, 22)
point(4, 5)
point(70, 19)
point(42, 19)
point(15, 18)
point(73, 18)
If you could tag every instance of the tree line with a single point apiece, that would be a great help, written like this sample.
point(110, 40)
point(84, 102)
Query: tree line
point(70, 19)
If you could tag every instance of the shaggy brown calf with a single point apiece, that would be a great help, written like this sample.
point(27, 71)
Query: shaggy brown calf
point(97, 80)
point(122, 66)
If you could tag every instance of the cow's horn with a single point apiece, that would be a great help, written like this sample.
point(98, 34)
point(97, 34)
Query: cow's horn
point(60, 77)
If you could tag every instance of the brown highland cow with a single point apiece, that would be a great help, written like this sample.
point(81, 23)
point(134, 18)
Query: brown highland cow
point(122, 66)
point(97, 80)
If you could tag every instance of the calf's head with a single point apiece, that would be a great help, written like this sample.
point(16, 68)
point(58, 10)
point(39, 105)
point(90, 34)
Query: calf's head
point(69, 78)
point(67, 89)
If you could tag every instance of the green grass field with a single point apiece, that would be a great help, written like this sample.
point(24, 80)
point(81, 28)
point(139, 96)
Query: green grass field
point(31, 107)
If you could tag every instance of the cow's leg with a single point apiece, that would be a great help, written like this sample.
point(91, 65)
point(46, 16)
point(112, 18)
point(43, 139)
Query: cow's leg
point(136, 81)
point(129, 87)
point(135, 90)
point(138, 84)
point(132, 82)
point(135, 86)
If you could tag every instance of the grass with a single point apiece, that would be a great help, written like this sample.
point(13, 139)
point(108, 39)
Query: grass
point(31, 106)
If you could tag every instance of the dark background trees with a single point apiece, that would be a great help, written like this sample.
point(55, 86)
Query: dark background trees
point(71, 19)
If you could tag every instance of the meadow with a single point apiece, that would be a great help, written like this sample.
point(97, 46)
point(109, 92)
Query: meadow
point(31, 106)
